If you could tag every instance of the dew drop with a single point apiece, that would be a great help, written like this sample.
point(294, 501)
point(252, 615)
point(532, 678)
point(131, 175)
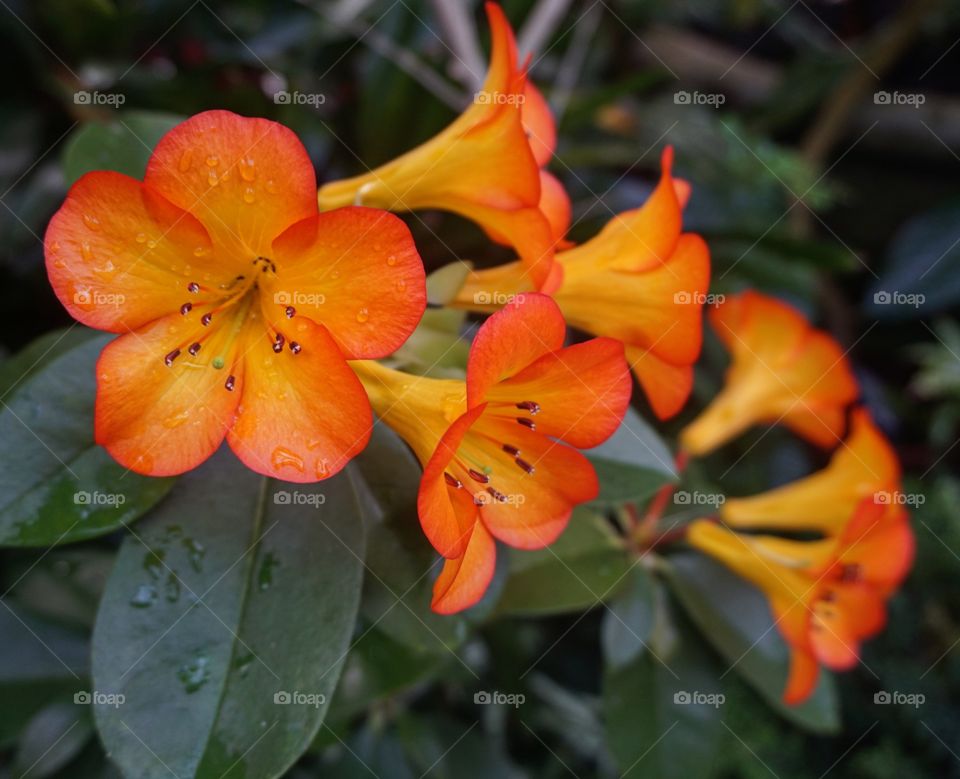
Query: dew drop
point(91, 221)
point(86, 251)
point(151, 244)
point(247, 170)
point(265, 574)
point(282, 458)
point(144, 597)
point(271, 186)
point(172, 589)
point(392, 260)
point(249, 195)
point(175, 420)
point(401, 285)
point(201, 251)
point(212, 179)
point(322, 469)
point(213, 161)
point(108, 270)
point(363, 315)
point(195, 674)
point(196, 551)
point(185, 159)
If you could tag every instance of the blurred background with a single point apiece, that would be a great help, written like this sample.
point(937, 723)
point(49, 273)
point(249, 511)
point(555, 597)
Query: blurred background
point(822, 141)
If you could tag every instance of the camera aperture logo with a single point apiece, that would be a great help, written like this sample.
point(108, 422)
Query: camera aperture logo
point(886, 698)
point(498, 98)
point(297, 698)
point(97, 698)
point(315, 99)
point(713, 99)
point(87, 298)
point(697, 698)
point(114, 100)
point(915, 99)
point(884, 498)
point(298, 498)
point(96, 498)
point(497, 298)
point(295, 298)
point(695, 498)
point(885, 297)
point(685, 298)
point(487, 697)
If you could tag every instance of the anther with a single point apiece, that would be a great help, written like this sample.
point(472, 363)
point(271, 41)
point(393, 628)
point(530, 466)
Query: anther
point(291, 312)
point(850, 572)
point(278, 344)
point(497, 496)
point(529, 405)
point(511, 450)
point(205, 319)
point(185, 308)
point(527, 422)
point(525, 466)
point(477, 476)
point(455, 483)
point(230, 382)
point(168, 360)
point(295, 347)
point(194, 348)
point(193, 287)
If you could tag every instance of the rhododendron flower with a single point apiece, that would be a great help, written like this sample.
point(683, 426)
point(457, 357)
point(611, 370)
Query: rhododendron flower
point(640, 280)
point(238, 303)
point(826, 596)
point(782, 370)
point(499, 451)
point(485, 166)
point(864, 466)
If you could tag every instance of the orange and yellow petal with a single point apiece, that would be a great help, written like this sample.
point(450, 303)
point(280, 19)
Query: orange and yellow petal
point(246, 180)
point(302, 416)
point(464, 580)
point(555, 206)
point(119, 256)
point(357, 272)
point(539, 123)
point(667, 386)
point(802, 677)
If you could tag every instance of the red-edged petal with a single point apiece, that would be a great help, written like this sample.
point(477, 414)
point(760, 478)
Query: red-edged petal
point(802, 678)
point(357, 272)
point(156, 419)
point(667, 386)
point(511, 339)
point(246, 180)
point(119, 255)
point(539, 124)
point(302, 416)
point(555, 205)
point(464, 580)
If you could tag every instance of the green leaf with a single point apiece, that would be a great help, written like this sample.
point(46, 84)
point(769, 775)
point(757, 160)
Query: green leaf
point(736, 619)
point(583, 567)
point(17, 369)
point(53, 738)
point(436, 347)
point(56, 485)
point(633, 463)
point(663, 715)
point(444, 283)
point(226, 622)
point(124, 145)
point(629, 620)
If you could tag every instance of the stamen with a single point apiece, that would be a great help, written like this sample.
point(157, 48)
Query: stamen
point(185, 308)
point(229, 383)
point(477, 476)
point(291, 312)
point(171, 356)
point(851, 572)
point(295, 347)
point(194, 348)
point(525, 466)
point(527, 422)
point(511, 450)
point(193, 287)
point(205, 319)
point(529, 405)
point(278, 343)
point(455, 483)
point(497, 496)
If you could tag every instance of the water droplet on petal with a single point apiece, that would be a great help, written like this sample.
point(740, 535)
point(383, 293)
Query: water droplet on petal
point(91, 221)
point(185, 159)
point(282, 457)
point(141, 238)
point(175, 420)
point(86, 252)
point(212, 179)
point(247, 170)
point(392, 260)
point(363, 315)
point(249, 195)
point(213, 161)
point(271, 186)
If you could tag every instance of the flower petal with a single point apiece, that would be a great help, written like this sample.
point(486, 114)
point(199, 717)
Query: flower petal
point(464, 580)
point(156, 419)
point(802, 678)
point(524, 330)
point(539, 123)
point(303, 416)
point(555, 205)
point(666, 385)
point(246, 180)
point(357, 272)
point(117, 253)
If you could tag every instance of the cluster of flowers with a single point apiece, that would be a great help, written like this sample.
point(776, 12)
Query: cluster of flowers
point(252, 307)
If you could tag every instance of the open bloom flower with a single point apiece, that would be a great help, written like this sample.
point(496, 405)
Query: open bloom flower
point(485, 166)
point(826, 596)
point(500, 450)
point(640, 280)
point(782, 370)
point(238, 303)
point(864, 466)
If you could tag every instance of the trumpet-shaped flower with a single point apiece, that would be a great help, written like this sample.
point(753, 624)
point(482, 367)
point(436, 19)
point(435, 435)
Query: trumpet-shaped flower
point(782, 369)
point(864, 466)
point(499, 451)
point(640, 280)
point(238, 303)
point(826, 596)
point(485, 166)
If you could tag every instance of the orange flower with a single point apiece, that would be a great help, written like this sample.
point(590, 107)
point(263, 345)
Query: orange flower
point(826, 596)
point(483, 166)
point(500, 450)
point(238, 303)
point(782, 369)
point(865, 466)
point(640, 280)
